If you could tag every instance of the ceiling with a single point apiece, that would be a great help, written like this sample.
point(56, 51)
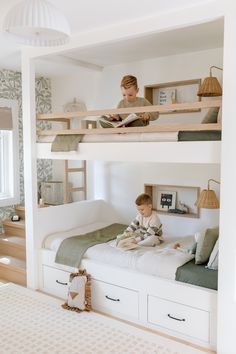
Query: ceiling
point(191, 39)
point(107, 13)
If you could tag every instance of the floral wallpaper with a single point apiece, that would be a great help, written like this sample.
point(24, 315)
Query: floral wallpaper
point(10, 88)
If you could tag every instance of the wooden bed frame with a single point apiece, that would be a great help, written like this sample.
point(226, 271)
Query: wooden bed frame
point(66, 117)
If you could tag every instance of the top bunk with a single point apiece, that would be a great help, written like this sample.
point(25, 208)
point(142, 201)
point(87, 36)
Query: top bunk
point(163, 143)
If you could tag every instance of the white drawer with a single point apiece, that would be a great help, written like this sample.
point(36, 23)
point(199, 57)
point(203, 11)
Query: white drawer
point(114, 300)
point(180, 318)
point(55, 281)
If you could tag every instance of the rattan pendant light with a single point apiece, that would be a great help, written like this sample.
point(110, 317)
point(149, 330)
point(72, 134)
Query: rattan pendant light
point(208, 198)
point(36, 23)
point(76, 105)
point(210, 86)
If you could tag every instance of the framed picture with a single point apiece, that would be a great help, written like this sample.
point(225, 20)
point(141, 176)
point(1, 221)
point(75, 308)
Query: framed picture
point(166, 95)
point(166, 200)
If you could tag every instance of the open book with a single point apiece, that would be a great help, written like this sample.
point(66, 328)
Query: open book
point(106, 123)
point(127, 244)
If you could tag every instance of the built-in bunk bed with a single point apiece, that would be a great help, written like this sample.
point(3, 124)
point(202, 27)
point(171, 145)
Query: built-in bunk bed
point(121, 283)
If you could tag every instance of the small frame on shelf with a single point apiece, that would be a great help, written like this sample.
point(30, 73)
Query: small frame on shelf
point(174, 92)
point(166, 200)
point(174, 200)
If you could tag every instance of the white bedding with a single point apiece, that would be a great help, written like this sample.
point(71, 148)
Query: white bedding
point(114, 138)
point(162, 260)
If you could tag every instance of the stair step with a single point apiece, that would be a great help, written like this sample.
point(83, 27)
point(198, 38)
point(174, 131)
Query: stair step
point(13, 246)
point(14, 228)
point(20, 210)
point(13, 269)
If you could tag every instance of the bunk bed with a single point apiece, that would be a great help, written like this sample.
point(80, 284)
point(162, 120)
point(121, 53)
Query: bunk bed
point(184, 310)
point(126, 142)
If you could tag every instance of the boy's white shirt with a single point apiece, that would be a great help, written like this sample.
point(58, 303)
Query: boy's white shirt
point(147, 221)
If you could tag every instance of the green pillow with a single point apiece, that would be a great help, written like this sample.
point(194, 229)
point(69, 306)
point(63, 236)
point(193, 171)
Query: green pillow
point(211, 116)
point(205, 245)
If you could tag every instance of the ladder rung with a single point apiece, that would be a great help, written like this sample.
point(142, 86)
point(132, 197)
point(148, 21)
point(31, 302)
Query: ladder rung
point(76, 169)
point(76, 189)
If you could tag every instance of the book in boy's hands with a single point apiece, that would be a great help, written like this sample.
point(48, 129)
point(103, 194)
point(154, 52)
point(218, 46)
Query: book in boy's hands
point(107, 123)
point(127, 244)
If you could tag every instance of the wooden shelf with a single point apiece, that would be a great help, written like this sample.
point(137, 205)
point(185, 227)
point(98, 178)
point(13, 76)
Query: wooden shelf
point(182, 91)
point(185, 194)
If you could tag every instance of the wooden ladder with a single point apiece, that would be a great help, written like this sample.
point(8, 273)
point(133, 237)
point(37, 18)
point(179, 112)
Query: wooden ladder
point(67, 188)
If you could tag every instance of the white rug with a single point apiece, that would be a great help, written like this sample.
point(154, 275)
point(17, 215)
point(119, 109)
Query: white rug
point(33, 323)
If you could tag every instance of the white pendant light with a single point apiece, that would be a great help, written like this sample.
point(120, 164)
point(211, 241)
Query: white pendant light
point(37, 23)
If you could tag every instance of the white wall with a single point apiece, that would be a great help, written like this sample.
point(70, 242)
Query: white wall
point(227, 260)
point(121, 182)
point(182, 67)
point(83, 85)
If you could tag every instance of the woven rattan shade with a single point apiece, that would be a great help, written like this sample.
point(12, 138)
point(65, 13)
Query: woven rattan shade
point(210, 88)
point(208, 200)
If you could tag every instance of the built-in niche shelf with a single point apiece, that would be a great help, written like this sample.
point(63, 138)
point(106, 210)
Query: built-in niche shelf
point(167, 197)
point(173, 92)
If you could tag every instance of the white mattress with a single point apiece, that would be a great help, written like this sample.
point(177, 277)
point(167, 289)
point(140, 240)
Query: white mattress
point(114, 138)
point(53, 241)
point(161, 260)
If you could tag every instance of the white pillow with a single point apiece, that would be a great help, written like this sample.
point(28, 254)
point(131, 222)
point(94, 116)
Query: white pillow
point(213, 260)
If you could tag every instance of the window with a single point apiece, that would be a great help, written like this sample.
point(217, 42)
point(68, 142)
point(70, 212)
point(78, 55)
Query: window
point(9, 152)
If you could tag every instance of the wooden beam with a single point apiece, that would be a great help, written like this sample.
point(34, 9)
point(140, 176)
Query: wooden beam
point(147, 129)
point(157, 108)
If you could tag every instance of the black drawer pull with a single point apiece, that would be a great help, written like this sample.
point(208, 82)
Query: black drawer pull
point(110, 298)
point(175, 318)
point(59, 282)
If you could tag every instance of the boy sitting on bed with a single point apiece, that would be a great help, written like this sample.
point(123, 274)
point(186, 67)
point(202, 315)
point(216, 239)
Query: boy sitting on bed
point(146, 228)
point(129, 90)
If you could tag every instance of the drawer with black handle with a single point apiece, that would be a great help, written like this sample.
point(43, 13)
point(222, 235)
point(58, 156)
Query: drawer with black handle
point(115, 300)
point(187, 320)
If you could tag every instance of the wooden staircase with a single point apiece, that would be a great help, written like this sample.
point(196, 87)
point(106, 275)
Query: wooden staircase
point(13, 249)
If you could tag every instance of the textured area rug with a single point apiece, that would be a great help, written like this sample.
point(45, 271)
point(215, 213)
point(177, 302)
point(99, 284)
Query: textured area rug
point(34, 323)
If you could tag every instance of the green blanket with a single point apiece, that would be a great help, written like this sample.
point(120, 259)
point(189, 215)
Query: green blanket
point(66, 142)
point(73, 248)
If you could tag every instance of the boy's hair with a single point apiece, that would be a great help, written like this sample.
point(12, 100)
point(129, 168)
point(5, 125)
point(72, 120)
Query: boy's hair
point(143, 199)
point(129, 81)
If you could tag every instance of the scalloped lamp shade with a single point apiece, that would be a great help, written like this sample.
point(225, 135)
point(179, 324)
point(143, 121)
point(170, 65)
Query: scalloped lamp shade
point(208, 200)
point(37, 23)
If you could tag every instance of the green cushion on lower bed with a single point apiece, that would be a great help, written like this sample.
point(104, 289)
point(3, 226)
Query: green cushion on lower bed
point(197, 274)
point(205, 135)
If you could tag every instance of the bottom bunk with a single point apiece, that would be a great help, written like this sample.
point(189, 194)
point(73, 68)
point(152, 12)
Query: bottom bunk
point(138, 285)
point(175, 308)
